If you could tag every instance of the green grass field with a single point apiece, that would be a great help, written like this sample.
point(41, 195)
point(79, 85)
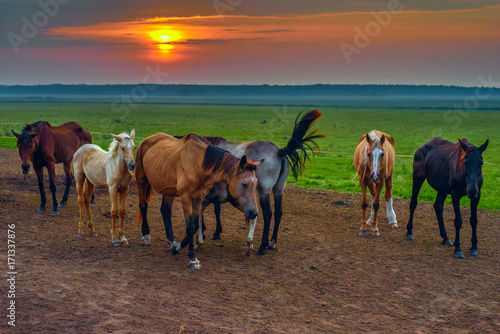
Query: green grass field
point(330, 170)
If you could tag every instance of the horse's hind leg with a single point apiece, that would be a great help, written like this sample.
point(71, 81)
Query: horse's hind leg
point(89, 190)
point(80, 188)
point(438, 208)
point(278, 213)
point(121, 213)
point(166, 214)
point(218, 227)
point(67, 172)
point(391, 215)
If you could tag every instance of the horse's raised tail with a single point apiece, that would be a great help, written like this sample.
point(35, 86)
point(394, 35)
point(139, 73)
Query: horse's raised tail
point(300, 141)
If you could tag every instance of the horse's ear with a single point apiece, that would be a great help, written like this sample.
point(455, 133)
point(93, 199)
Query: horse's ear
point(132, 134)
point(259, 163)
point(28, 127)
point(118, 138)
point(464, 147)
point(483, 147)
point(243, 162)
point(368, 139)
point(382, 140)
point(15, 134)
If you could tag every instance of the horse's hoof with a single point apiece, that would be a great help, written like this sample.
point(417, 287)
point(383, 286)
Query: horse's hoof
point(41, 209)
point(271, 247)
point(458, 255)
point(447, 243)
point(197, 246)
point(124, 241)
point(409, 237)
point(79, 236)
point(92, 204)
point(174, 250)
point(261, 251)
point(473, 252)
point(54, 213)
point(216, 237)
point(248, 253)
point(195, 264)
point(394, 225)
point(61, 205)
point(116, 243)
point(369, 223)
point(362, 233)
point(376, 233)
point(146, 240)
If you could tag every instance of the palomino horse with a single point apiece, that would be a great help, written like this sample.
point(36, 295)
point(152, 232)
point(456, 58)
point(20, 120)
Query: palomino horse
point(46, 145)
point(450, 168)
point(109, 170)
point(374, 161)
point(188, 168)
point(272, 175)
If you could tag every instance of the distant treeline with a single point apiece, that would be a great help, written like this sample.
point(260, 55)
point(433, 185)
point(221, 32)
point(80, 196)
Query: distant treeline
point(247, 90)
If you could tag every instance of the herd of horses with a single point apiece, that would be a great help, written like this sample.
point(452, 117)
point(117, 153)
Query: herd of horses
point(204, 170)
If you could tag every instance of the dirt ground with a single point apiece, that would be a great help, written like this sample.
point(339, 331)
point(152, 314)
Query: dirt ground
point(323, 278)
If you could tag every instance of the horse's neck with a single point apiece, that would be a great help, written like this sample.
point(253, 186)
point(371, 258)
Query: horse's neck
point(117, 159)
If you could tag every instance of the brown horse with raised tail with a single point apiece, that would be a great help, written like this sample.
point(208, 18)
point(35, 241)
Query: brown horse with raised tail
point(46, 145)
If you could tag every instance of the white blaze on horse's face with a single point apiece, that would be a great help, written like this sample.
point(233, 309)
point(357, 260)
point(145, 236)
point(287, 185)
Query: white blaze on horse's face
point(376, 156)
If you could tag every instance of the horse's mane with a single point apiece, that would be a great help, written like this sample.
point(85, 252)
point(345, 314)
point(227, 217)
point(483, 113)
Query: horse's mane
point(115, 144)
point(218, 162)
point(209, 140)
point(461, 154)
point(36, 125)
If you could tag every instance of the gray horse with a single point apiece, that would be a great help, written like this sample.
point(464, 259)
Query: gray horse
point(272, 176)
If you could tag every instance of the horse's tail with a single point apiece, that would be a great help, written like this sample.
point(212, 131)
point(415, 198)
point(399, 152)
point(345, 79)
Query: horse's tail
point(300, 141)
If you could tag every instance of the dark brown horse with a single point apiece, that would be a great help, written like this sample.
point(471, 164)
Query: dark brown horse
point(450, 168)
point(46, 145)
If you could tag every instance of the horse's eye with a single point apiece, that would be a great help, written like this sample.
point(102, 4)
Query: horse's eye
point(244, 185)
point(123, 149)
point(382, 155)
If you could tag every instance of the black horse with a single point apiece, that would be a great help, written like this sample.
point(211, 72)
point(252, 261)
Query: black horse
point(450, 168)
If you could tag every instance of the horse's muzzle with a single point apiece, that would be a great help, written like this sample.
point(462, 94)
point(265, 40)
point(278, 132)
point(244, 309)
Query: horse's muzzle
point(131, 165)
point(374, 178)
point(250, 214)
point(26, 168)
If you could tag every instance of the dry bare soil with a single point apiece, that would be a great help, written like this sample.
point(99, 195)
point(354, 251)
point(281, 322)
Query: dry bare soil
point(322, 279)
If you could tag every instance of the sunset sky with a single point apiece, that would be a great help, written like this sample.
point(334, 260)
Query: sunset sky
point(450, 42)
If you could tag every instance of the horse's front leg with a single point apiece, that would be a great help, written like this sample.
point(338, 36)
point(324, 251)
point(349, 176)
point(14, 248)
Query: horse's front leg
point(192, 223)
point(251, 229)
point(458, 225)
point(113, 195)
point(371, 187)
point(364, 206)
point(39, 176)
point(473, 223)
point(51, 168)
point(376, 206)
point(67, 172)
point(121, 214)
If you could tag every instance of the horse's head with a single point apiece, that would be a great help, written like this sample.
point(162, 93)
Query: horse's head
point(473, 162)
point(375, 157)
point(126, 148)
point(26, 146)
point(243, 186)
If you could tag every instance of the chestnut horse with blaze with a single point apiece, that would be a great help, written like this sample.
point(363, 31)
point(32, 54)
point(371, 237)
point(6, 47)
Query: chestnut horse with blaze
point(374, 162)
point(46, 145)
point(188, 168)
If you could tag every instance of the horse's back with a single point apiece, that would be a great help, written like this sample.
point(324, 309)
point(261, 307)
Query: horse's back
point(89, 160)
